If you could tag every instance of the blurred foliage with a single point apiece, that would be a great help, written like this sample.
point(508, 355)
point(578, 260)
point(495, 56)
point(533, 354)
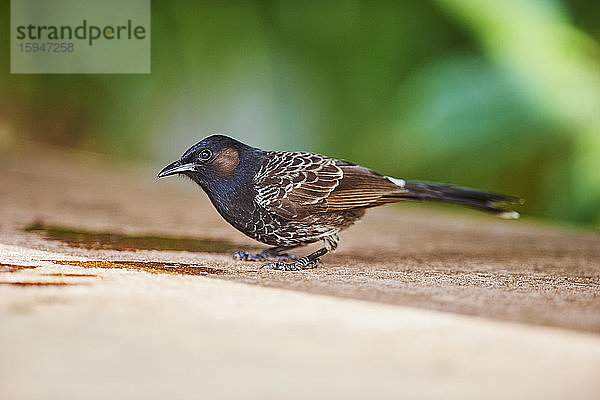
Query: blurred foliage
point(498, 95)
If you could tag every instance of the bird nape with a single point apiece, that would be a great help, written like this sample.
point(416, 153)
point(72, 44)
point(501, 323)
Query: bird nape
point(290, 199)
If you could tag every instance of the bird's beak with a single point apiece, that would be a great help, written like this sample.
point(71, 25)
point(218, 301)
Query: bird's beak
point(176, 167)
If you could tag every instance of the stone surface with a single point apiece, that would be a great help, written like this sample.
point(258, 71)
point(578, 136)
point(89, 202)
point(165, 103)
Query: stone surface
point(418, 302)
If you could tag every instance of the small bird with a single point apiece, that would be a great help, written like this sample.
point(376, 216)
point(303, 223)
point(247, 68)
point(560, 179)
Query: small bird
point(290, 199)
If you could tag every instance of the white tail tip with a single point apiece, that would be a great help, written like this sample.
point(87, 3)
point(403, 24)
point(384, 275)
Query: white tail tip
point(509, 215)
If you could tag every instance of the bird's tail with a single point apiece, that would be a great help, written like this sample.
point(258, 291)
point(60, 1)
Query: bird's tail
point(489, 202)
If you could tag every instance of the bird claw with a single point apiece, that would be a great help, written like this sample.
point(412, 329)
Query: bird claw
point(243, 255)
point(300, 264)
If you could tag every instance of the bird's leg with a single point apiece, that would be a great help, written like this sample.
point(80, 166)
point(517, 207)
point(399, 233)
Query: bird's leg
point(308, 262)
point(272, 254)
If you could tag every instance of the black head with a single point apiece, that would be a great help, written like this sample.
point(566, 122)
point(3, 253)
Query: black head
point(215, 158)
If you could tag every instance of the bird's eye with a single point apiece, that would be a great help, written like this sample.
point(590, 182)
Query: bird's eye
point(205, 154)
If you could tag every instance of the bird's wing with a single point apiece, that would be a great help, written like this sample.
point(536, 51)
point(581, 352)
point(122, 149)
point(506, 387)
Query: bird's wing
point(295, 185)
point(361, 187)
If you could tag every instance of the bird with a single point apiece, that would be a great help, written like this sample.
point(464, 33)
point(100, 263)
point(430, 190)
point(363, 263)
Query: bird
point(290, 199)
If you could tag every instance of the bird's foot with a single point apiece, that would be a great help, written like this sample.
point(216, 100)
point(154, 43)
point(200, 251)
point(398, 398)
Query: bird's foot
point(298, 265)
point(265, 255)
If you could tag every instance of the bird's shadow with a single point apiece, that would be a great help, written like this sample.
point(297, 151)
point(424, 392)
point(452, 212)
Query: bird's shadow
point(95, 240)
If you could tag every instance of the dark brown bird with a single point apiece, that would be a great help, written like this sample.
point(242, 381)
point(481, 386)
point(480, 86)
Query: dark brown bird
point(291, 199)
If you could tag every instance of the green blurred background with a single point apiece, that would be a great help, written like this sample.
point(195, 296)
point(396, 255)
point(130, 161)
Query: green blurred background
point(497, 95)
